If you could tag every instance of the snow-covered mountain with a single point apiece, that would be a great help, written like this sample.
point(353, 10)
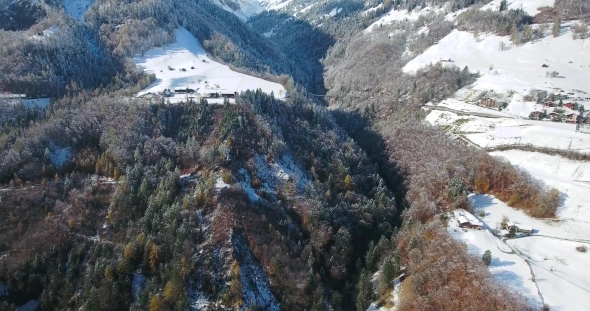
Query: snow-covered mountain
point(244, 9)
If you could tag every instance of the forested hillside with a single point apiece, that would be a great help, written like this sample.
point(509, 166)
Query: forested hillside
point(317, 201)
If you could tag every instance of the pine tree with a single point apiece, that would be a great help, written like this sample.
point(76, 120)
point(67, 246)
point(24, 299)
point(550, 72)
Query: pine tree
point(387, 274)
point(487, 257)
point(362, 299)
point(512, 232)
point(556, 27)
point(527, 33)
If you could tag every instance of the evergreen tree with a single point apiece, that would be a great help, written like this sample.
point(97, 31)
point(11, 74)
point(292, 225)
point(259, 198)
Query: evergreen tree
point(556, 27)
point(512, 232)
point(487, 257)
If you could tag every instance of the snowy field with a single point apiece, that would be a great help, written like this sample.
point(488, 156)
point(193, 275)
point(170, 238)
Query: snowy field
point(207, 76)
point(529, 6)
point(571, 178)
point(559, 269)
point(493, 132)
point(506, 267)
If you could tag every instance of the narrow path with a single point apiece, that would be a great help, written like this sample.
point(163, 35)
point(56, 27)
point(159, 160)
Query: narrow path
point(563, 239)
point(534, 278)
point(467, 113)
point(531, 262)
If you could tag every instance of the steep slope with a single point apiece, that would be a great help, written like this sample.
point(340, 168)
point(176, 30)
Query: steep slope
point(20, 15)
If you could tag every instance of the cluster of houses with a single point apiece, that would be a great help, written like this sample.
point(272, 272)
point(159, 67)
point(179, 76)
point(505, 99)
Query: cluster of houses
point(189, 93)
point(568, 112)
point(467, 220)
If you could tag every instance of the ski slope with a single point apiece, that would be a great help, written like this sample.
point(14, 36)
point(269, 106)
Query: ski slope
point(207, 76)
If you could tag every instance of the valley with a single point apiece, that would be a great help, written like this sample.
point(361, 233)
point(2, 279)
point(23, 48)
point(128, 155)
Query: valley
point(294, 155)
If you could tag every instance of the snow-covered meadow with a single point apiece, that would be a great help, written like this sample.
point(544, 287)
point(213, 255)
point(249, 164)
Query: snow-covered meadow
point(545, 267)
point(515, 68)
point(200, 72)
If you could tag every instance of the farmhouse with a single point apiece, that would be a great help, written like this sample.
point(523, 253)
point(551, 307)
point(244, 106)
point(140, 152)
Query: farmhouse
point(571, 118)
point(229, 95)
point(184, 91)
point(549, 104)
point(535, 115)
point(489, 103)
point(467, 220)
point(554, 116)
point(570, 105)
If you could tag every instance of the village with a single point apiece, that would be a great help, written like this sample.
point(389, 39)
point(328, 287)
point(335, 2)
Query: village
point(556, 110)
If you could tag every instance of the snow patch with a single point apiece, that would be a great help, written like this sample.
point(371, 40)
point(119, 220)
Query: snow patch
point(50, 31)
point(273, 175)
point(220, 184)
point(198, 300)
point(77, 8)
point(31, 305)
point(335, 12)
point(247, 185)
